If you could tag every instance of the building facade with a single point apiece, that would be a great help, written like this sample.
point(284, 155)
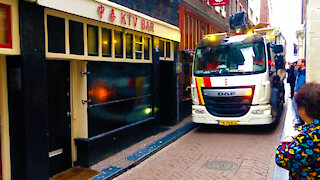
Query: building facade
point(311, 15)
point(9, 46)
point(264, 11)
point(196, 19)
point(254, 11)
point(238, 6)
point(78, 86)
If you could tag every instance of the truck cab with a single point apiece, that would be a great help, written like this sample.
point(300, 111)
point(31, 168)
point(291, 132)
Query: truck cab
point(238, 79)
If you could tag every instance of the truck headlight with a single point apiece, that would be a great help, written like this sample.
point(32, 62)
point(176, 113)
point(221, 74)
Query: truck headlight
point(198, 111)
point(264, 111)
point(257, 112)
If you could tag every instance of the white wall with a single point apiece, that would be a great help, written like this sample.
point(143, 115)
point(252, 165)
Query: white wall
point(254, 11)
point(313, 41)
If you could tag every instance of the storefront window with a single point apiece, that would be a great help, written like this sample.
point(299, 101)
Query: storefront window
point(146, 48)
point(106, 42)
point(129, 46)
point(168, 49)
point(161, 44)
point(56, 34)
point(138, 41)
point(3, 26)
point(76, 38)
point(120, 94)
point(165, 50)
point(118, 43)
point(92, 40)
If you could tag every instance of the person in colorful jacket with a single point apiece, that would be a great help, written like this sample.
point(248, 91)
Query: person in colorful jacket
point(300, 153)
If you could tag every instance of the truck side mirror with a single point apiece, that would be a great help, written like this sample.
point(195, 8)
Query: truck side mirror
point(238, 19)
point(278, 49)
point(279, 62)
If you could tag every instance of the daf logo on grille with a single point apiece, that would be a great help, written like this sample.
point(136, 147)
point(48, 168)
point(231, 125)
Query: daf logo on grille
point(226, 93)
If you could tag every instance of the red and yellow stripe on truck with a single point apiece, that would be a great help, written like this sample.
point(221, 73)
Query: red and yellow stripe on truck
point(202, 82)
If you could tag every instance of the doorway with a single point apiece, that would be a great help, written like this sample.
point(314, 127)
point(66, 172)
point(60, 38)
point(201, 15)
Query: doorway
point(59, 120)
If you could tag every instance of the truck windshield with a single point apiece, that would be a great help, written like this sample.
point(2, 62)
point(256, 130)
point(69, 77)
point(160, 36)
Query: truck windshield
point(230, 59)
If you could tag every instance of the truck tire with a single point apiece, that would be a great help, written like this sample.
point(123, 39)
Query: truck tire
point(275, 103)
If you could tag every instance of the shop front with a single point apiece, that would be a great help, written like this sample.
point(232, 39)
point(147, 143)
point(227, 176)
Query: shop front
point(105, 76)
point(9, 45)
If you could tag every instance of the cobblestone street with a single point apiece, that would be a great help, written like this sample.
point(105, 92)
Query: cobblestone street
point(215, 152)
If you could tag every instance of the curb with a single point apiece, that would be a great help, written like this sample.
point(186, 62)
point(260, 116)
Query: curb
point(142, 154)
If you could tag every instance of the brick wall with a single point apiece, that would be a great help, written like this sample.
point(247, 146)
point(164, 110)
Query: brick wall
point(244, 4)
point(165, 10)
point(233, 5)
point(264, 11)
point(207, 11)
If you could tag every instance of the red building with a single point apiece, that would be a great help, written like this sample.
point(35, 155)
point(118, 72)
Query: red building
point(196, 19)
point(238, 6)
point(264, 11)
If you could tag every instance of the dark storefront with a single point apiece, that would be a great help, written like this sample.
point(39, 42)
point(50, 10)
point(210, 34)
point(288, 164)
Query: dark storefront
point(87, 83)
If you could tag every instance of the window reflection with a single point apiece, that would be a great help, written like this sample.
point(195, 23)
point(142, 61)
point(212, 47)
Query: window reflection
point(3, 26)
point(106, 42)
point(110, 83)
point(138, 47)
point(168, 49)
point(105, 118)
point(76, 37)
point(146, 48)
point(118, 43)
point(161, 44)
point(92, 40)
point(56, 34)
point(129, 46)
point(120, 94)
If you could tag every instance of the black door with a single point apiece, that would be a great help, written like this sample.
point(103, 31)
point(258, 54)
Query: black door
point(168, 98)
point(59, 116)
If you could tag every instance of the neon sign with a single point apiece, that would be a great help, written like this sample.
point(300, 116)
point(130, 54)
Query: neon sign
point(128, 19)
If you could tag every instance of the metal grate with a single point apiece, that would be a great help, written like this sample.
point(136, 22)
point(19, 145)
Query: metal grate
point(234, 106)
point(222, 165)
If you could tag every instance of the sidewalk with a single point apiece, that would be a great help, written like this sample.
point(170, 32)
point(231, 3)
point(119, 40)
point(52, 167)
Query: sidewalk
point(288, 129)
point(131, 156)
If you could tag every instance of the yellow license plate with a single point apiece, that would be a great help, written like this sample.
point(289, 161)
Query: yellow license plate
point(228, 123)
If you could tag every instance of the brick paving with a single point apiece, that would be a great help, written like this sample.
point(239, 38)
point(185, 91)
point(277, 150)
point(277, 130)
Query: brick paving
point(119, 157)
point(251, 148)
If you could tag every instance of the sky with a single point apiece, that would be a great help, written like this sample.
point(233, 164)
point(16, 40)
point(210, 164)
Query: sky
point(286, 14)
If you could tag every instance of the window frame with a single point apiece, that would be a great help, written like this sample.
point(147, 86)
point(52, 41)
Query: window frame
point(100, 25)
point(165, 49)
point(7, 45)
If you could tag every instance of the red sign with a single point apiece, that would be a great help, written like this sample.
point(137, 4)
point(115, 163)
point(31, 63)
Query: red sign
point(218, 2)
point(7, 42)
point(128, 19)
point(101, 10)
point(112, 17)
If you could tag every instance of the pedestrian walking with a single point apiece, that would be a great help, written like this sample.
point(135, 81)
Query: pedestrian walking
point(300, 153)
point(300, 69)
point(291, 78)
point(301, 77)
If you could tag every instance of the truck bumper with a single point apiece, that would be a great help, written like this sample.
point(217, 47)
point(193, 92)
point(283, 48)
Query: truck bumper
point(257, 115)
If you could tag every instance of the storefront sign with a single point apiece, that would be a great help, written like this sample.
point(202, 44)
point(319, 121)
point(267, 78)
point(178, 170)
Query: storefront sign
point(218, 2)
point(115, 14)
point(127, 19)
point(5, 26)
